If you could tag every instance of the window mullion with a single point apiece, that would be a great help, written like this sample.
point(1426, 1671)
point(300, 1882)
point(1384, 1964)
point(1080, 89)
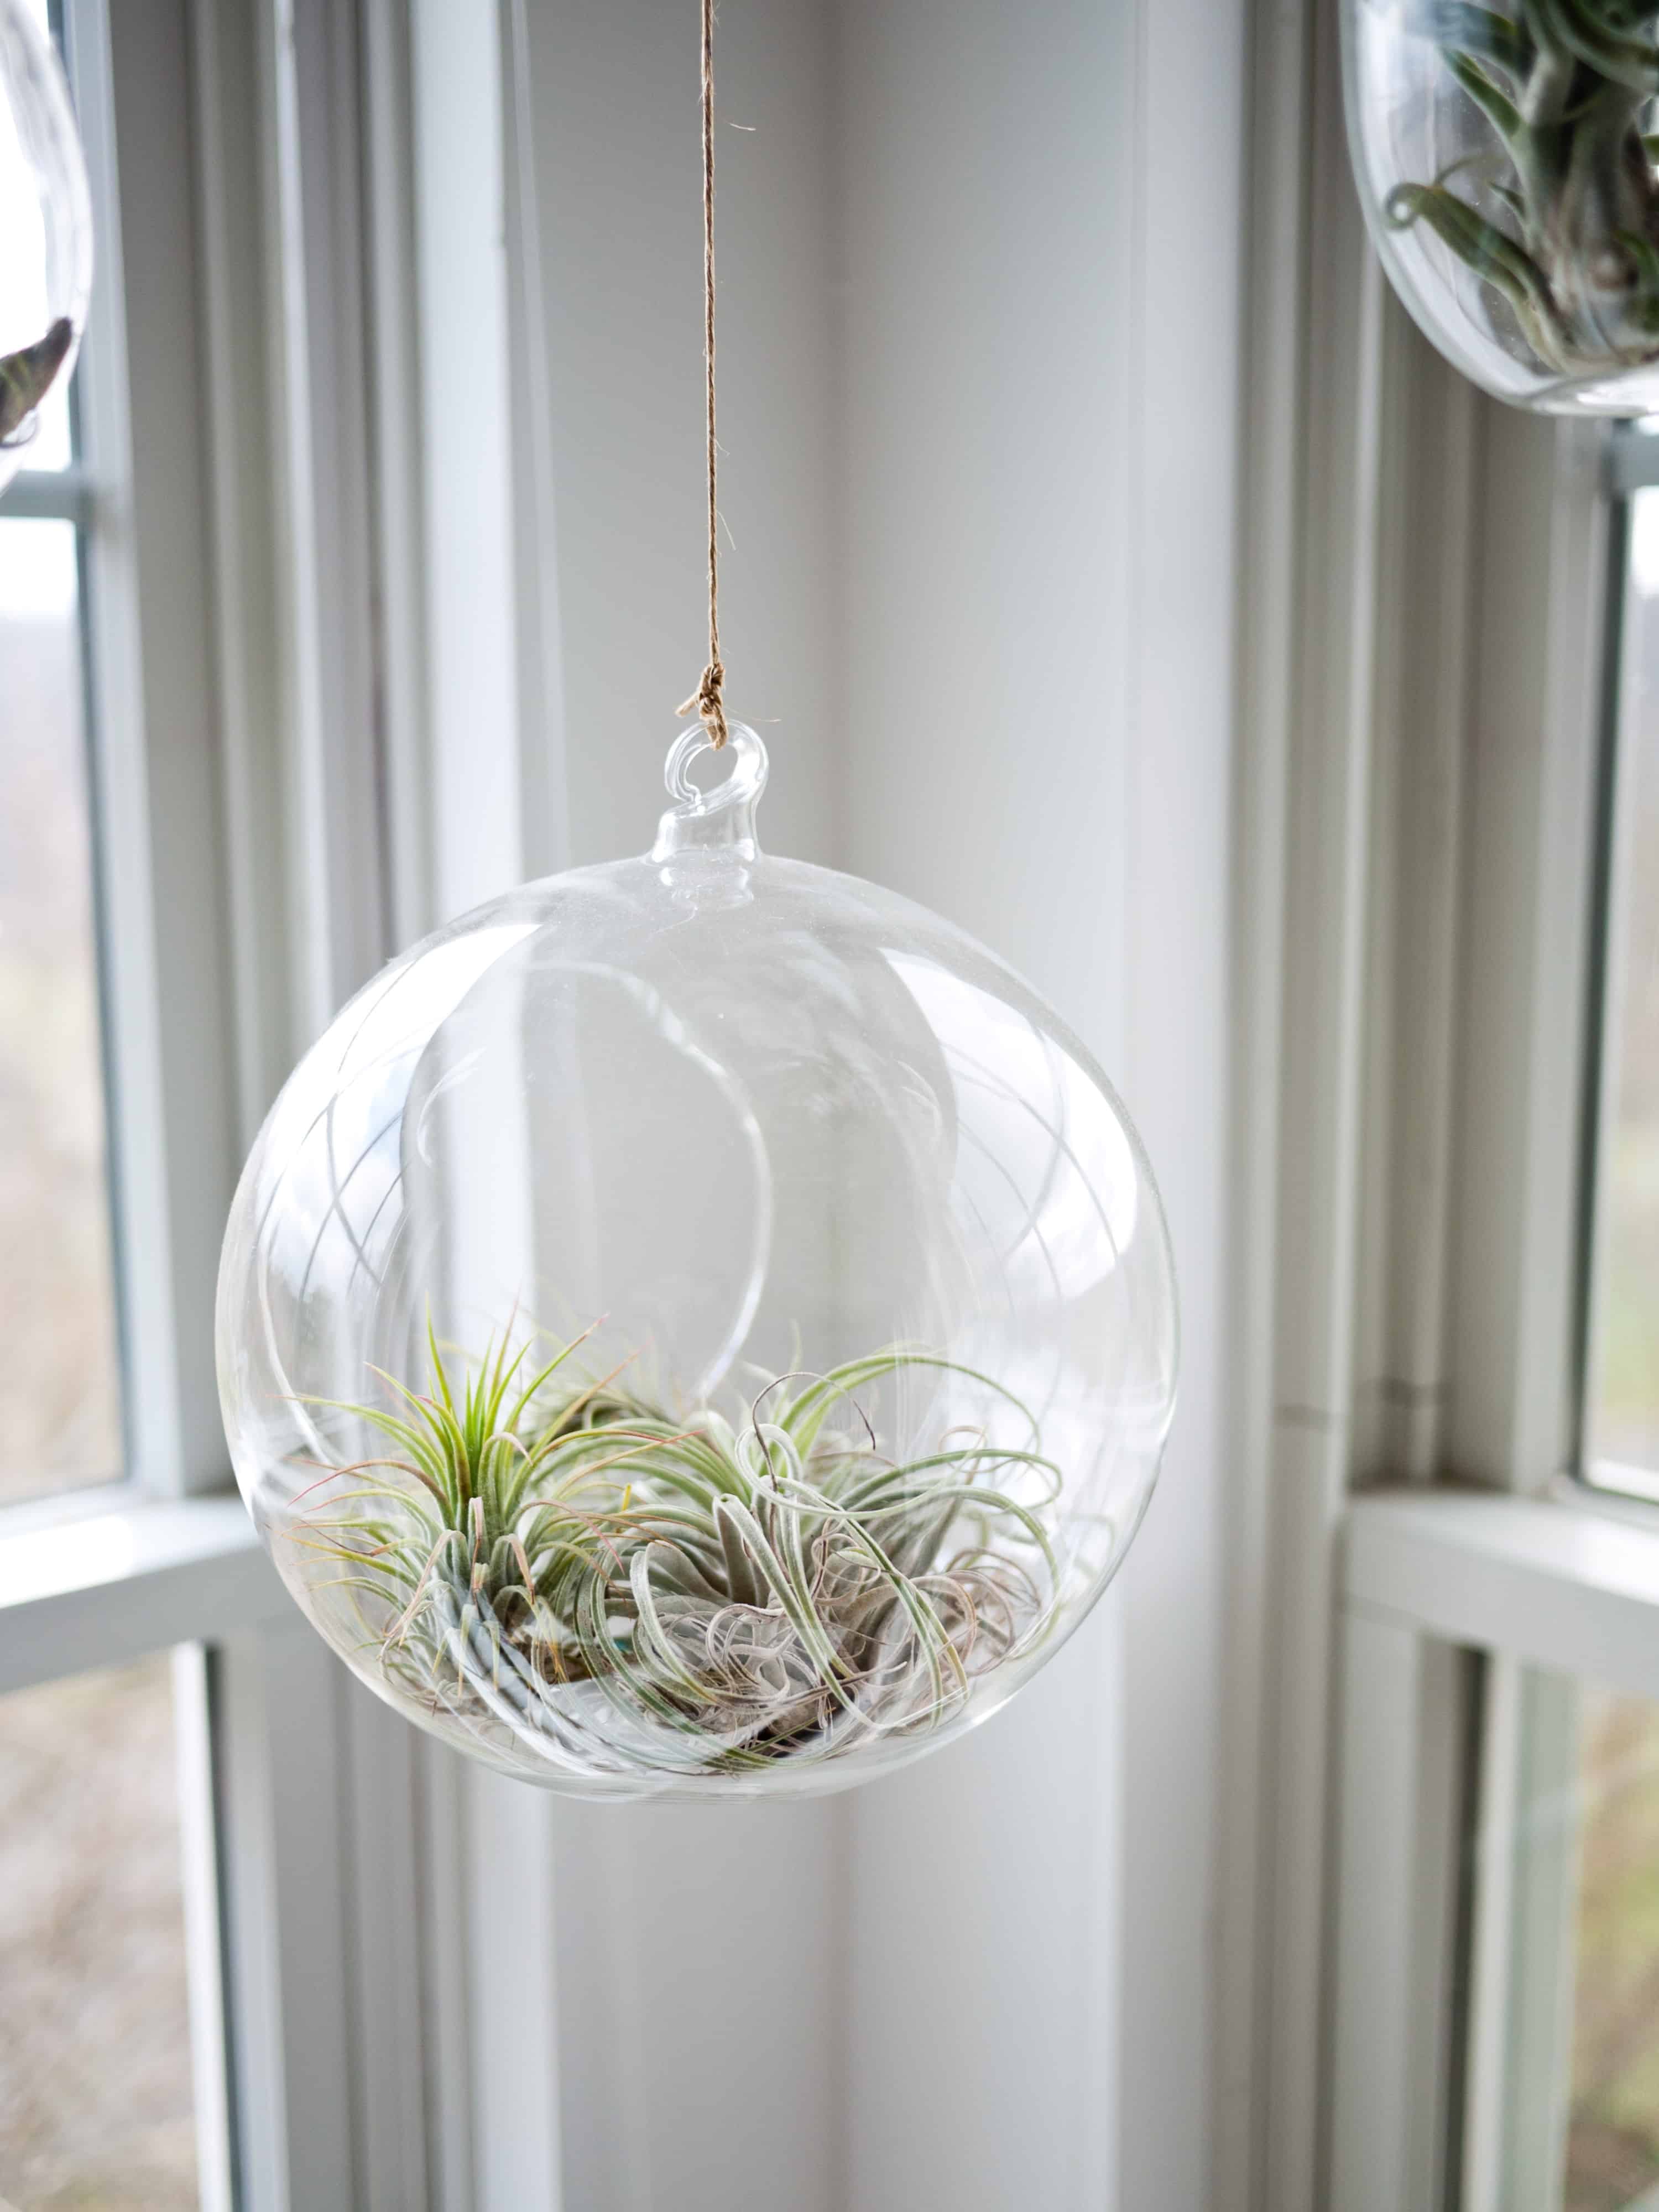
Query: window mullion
point(154, 750)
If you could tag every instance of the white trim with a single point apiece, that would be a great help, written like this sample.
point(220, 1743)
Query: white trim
point(1559, 1585)
point(1277, 203)
point(209, 2020)
point(235, 158)
point(398, 426)
point(154, 768)
point(1402, 1748)
point(47, 495)
point(471, 587)
point(111, 1586)
point(277, 1751)
point(1309, 645)
point(1529, 872)
point(1485, 2058)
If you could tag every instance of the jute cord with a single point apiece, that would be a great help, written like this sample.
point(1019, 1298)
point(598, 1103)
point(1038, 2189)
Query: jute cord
point(706, 702)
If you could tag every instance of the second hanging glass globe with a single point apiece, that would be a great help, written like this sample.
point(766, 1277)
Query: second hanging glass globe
point(1503, 156)
point(700, 1323)
point(45, 235)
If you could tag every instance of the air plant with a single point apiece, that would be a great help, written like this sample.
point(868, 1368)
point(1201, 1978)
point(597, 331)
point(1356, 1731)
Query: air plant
point(1566, 229)
point(25, 377)
point(576, 1574)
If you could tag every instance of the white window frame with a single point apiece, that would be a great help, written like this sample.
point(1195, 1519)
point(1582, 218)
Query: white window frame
point(249, 487)
point(1425, 616)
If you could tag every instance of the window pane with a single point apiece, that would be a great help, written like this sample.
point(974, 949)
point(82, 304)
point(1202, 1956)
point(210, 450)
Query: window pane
point(24, 314)
point(1576, 1864)
point(95, 2097)
point(1613, 2143)
point(59, 1394)
point(1623, 1413)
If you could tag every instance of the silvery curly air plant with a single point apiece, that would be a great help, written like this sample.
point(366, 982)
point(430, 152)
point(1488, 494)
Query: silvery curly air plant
point(1507, 175)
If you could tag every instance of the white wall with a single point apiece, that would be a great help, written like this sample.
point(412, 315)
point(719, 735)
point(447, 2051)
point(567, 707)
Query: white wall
point(987, 258)
point(698, 1982)
point(978, 378)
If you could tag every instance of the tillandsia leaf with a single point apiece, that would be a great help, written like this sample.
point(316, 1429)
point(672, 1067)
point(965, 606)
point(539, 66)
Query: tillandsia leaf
point(1479, 245)
point(27, 376)
point(1644, 259)
point(561, 1563)
point(1482, 34)
point(1489, 98)
point(1595, 36)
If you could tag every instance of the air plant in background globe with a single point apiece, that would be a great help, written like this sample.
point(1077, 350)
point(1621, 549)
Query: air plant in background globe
point(1560, 215)
point(570, 1570)
point(27, 376)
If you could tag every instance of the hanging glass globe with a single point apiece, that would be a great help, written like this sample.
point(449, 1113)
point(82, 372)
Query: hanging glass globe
point(45, 230)
point(1502, 156)
point(699, 1323)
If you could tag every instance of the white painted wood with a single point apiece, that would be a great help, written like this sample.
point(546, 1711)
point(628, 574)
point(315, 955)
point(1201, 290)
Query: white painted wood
point(466, 451)
point(1185, 450)
point(233, 138)
point(1528, 875)
point(134, 1577)
point(1328, 836)
point(1428, 560)
point(1276, 203)
point(44, 494)
point(276, 1701)
point(396, 428)
point(336, 921)
point(154, 764)
point(1395, 1883)
point(203, 1913)
point(514, 2028)
point(1491, 1949)
point(540, 667)
point(1564, 1586)
point(1542, 1835)
point(445, 1951)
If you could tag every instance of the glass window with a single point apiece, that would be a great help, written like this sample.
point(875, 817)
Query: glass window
point(96, 2109)
point(23, 287)
point(1613, 2139)
point(59, 1380)
point(1577, 1861)
point(1622, 1420)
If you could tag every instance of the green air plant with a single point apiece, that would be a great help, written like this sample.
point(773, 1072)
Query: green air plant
point(1561, 218)
point(25, 377)
point(578, 1575)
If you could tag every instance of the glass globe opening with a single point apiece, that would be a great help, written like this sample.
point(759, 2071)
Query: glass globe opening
point(698, 1323)
point(45, 236)
point(1503, 159)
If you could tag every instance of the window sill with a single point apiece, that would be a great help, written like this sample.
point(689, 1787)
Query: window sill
point(1554, 1582)
point(105, 1588)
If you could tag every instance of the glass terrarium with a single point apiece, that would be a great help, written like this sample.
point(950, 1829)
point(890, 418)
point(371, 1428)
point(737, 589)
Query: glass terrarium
point(699, 1322)
point(1504, 156)
point(45, 230)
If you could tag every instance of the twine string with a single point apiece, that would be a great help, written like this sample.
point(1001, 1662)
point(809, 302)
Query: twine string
point(706, 702)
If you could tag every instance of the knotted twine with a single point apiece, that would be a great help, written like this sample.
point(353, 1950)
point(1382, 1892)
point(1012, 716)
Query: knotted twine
point(706, 702)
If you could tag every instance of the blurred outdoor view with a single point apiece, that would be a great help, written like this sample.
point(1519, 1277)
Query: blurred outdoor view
point(1624, 1400)
point(96, 2098)
point(1612, 2141)
point(59, 1396)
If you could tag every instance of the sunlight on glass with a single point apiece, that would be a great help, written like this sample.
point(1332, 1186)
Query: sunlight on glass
point(1613, 2136)
point(95, 2086)
point(1623, 1410)
point(60, 1394)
